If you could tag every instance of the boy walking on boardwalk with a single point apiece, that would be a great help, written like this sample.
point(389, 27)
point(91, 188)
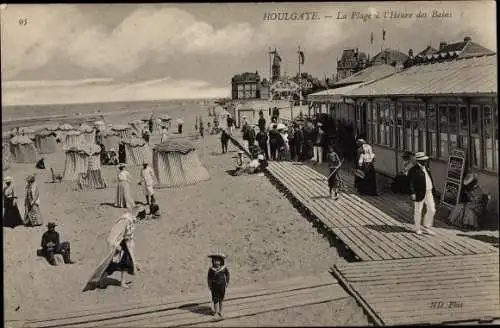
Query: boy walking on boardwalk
point(218, 280)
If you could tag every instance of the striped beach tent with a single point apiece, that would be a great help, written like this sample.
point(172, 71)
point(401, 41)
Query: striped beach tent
point(137, 126)
point(177, 164)
point(88, 133)
point(76, 161)
point(92, 179)
point(100, 125)
point(110, 139)
point(45, 141)
point(5, 150)
point(73, 138)
point(124, 131)
point(23, 150)
point(137, 151)
point(62, 130)
point(51, 127)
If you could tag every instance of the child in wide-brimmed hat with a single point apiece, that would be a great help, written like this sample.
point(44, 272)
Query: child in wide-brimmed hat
point(218, 280)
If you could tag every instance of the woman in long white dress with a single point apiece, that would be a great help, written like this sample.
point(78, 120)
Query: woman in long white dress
point(123, 193)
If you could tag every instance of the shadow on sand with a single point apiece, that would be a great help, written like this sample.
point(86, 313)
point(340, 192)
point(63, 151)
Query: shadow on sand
point(107, 282)
point(197, 308)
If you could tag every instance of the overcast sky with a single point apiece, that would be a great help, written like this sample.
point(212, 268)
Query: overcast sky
point(70, 53)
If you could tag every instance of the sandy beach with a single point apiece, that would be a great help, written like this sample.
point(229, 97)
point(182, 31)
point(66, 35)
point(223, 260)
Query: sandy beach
point(265, 239)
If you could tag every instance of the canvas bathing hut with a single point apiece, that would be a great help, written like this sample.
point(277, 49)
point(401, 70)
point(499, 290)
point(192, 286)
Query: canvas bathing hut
point(45, 141)
point(23, 150)
point(76, 162)
point(110, 139)
point(93, 178)
point(73, 138)
point(88, 133)
point(28, 132)
point(177, 164)
point(123, 131)
point(137, 151)
point(137, 126)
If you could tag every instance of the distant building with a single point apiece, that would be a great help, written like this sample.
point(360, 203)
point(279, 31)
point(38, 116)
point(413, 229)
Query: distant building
point(249, 86)
point(457, 50)
point(351, 62)
point(390, 57)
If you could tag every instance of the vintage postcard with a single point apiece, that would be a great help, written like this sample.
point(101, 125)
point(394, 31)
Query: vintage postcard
point(253, 164)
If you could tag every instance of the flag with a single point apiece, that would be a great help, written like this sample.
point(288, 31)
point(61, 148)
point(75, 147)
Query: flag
point(383, 34)
point(302, 58)
point(372, 38)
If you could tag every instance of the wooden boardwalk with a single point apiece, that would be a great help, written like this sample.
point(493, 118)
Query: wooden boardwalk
point(372, 234)
point(188, 310)
point(451, 289)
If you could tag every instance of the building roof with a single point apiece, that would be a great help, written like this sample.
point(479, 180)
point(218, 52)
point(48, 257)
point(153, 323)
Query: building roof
point(391, 55)
point(351, 58)
point(462, 49)
point(334, 95)
point(246, 77)
point(427, 51)
point(368, 74)
point(464, 77)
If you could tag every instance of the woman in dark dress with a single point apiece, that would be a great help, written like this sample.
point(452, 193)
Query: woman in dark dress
point(11, 217)
point(368, 185)
point(122, 158)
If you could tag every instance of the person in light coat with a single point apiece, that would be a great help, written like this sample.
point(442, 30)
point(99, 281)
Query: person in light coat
point(148, 181)
point(422, 193)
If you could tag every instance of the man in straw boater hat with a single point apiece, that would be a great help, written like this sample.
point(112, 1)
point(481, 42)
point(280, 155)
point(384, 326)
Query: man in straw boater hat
point(121, 255)
point(218, 280)
point(148, 181)
point(421, 192)
point(51, 246)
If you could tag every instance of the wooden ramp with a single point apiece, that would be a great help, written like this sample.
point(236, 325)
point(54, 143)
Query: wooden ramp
point(187, 310)
point(438, 290)
point(372, 234)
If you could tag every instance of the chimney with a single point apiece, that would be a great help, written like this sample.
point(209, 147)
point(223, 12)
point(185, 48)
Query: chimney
point(442, 44)
point(467, 39)
point(410, 53)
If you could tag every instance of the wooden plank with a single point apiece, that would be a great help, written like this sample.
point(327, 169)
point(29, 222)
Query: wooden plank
point(395, 303)
point(158, 304)
point(369, 241)
point(459, 259)
point(381, 291)
point(438, 318)
point(263, 308)
point(170, 317)
point(426, 295)
point(363, 254)
point(453, 276)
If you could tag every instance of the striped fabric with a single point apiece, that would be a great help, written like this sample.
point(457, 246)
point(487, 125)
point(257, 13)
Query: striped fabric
point(76, 162)
point(22, 150)
point(123, 131)
point(92, 179)
point(72, 139)
point(174, 169)
point(175, 146)
point(5, 155)
point(46, 143)
point(137, 151)
point(89, 136)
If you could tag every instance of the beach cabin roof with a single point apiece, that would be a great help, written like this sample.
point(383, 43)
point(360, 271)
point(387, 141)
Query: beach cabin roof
point(120, 127)
point(73, 133)
point(337, 95)
point(45, 132)
point(66, 127)
point(368, 74)
point(27, 130)
point(86, 128)
point(23, 140)
point(84, 148)
point(463, 77)
point(135, 142)
point(175, 146)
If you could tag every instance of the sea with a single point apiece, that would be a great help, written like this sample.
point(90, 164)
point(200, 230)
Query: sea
point(26, 115)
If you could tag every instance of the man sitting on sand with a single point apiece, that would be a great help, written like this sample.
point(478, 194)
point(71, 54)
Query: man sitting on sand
point(51, 245)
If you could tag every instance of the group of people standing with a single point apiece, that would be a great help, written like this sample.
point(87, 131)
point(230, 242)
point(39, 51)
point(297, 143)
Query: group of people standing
point(32, 214)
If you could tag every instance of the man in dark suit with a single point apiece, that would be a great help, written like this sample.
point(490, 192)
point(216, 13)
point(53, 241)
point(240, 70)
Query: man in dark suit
point(422, 192)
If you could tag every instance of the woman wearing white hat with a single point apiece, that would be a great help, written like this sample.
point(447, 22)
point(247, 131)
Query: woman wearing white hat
point(11, 217)
point(421, 192)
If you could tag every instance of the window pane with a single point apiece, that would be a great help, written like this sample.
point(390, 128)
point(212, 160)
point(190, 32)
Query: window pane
point(488, 136)
point(453, 127)
point(443, 128)
point(476, 136)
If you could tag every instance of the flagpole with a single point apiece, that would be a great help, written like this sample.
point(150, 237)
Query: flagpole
point(270, 66)
point(300, 80)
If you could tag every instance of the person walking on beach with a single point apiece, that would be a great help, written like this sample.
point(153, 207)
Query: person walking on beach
point(148, 181)
point(11, 217)
point(123, 193)
point(230, 123)
point(224, 139)
point(218, 281)
point(33, 216)
point(334, 164)
point(422, 192)
point(180, 122)
point(121, 255)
